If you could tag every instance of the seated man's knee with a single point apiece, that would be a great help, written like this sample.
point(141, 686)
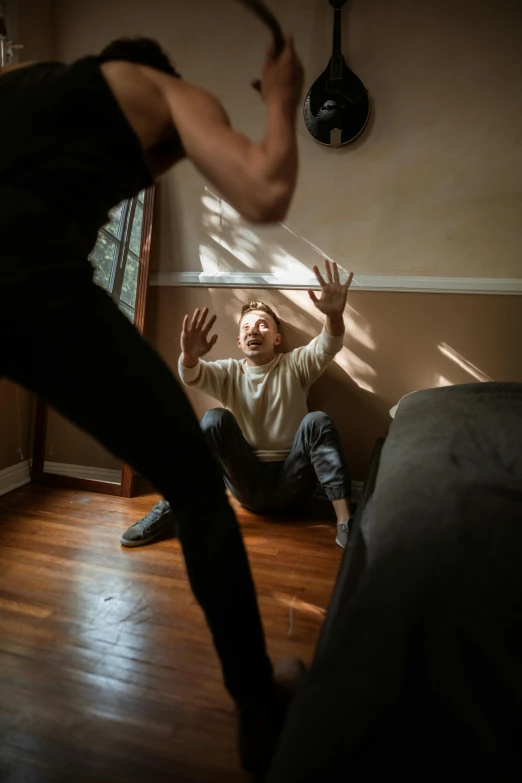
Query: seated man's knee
point(215, 419)
point(318, 420)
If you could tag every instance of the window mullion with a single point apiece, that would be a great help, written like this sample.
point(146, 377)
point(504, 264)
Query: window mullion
point(119, 268)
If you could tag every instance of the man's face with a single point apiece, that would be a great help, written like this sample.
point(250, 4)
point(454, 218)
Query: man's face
point(258, 337)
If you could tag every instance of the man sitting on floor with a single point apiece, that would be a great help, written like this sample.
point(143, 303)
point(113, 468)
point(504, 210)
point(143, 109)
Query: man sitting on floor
point(271, 450)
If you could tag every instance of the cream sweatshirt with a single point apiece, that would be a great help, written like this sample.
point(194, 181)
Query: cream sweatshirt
point(268, 402)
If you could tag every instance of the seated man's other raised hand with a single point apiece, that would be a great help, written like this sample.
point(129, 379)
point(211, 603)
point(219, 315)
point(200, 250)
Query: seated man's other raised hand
point(195, 341)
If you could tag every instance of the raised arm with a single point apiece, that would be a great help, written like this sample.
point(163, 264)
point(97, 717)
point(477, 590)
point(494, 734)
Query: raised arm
point(209, 377)
point(311, 360)
point(194, 337)
point(256, 179)
point(333, 297)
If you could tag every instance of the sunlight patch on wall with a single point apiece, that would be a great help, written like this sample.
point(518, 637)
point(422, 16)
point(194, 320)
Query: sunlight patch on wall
point(440, 380)
point(221, 224)
point(358, 370)
point(209, 260)
point(241, 254)
point(275, 248)
point(305, 309)
point(248, 235)
point(285, 265)
point(302, 300)
point(219, 207)
point(320, 253)
point(211, 202)
point(463, 363)
point(356, 328)
point(357, 331)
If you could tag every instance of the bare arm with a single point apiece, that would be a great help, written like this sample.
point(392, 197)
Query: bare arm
point(209, 377)
point(256, 179)
point(311, 360)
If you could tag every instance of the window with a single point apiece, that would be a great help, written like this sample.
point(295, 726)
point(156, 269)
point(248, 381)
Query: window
point(116, 254)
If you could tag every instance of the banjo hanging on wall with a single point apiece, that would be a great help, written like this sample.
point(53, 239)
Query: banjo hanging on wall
point(337, 107)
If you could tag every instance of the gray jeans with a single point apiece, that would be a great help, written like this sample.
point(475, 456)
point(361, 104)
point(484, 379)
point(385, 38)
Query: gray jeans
point(278, 487)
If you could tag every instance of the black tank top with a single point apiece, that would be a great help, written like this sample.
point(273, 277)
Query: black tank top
point(67, 155)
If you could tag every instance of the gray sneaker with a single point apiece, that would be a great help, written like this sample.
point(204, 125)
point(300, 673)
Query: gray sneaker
point(343, 533)
point(159, 521)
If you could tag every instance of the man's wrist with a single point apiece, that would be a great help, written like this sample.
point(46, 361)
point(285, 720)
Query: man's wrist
point(188, 360)
point(283, 107)
point(335, 324)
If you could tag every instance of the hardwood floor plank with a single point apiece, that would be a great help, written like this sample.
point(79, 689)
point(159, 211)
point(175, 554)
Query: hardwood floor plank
point(107, 671)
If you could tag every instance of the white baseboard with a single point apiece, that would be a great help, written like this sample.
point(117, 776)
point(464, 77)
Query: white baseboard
point(442, 285)
point(15, 476)
point(83, 471)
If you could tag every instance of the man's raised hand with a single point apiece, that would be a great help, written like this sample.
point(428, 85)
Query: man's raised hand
point(333, 293)
point(194, 337)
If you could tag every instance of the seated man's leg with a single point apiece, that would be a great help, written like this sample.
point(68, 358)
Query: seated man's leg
point(243, 473)
point(82, 355)
point(317, 452)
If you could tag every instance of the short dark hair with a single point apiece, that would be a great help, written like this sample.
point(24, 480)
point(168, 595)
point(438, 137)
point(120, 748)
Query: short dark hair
point(259, 306)
point(142, 51)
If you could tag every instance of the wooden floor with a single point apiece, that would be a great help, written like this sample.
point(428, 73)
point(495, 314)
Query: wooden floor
point(107, 672)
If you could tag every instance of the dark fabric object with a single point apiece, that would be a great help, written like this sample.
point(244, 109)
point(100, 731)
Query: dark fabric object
point(79, 352)
point(68, 156)
point(421, 677)
point(278, 487)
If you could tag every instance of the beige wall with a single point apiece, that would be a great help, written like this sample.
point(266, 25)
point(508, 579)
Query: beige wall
point(395, 343)
point(432, 187)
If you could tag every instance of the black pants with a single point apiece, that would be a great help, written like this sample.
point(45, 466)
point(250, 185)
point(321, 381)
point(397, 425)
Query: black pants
point(278, 487)
point(70, 344)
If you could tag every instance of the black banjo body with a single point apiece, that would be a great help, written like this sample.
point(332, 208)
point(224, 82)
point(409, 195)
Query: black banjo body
point(337, 106)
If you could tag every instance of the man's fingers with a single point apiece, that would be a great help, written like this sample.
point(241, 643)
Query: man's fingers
point(312, 296)
point(328, 270)
point(195, 318)
point(202, 318)
point(212, 341)
point(320, 278)
point(209, 326)
point(185, 327)
point(348, 281)
point(335, 273)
